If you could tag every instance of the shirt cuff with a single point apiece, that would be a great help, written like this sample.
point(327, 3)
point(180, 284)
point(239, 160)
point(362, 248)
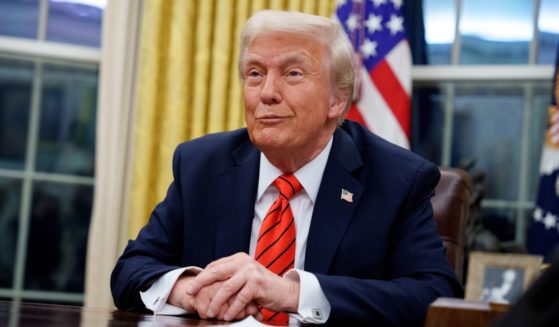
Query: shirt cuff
point(313, 307)
point(155, 297)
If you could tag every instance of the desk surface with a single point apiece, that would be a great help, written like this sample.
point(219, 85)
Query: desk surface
point(443, 312)
point(18, 314)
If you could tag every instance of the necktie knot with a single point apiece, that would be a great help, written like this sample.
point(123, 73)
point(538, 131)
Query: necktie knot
point(288, 185)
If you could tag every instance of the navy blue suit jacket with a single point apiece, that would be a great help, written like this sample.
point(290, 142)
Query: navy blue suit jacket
point(378, 259)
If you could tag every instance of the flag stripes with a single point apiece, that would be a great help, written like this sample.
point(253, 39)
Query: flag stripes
point(383, 81)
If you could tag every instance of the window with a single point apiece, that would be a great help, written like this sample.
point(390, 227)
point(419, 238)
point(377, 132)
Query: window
point(495, 32)
point(49, 60)
point(484, 97)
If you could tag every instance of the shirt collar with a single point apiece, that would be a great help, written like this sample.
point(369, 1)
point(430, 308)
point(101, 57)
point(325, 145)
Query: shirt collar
point(310, 175)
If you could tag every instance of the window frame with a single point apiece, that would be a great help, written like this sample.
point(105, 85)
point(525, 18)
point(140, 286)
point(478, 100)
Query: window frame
point(450, 75)
point(529, 77)
point(39, 52)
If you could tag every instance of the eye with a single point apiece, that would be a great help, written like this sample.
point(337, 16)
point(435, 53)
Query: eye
point(253, 73)
point(294, 73)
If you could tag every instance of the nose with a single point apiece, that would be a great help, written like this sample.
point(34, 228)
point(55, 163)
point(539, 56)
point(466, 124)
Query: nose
point(270, 92)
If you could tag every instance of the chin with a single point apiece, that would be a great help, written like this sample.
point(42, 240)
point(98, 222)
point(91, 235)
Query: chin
point(267, 145)
point(266, 142)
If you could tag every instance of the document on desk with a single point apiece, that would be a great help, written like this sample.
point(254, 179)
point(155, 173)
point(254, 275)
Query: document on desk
point(249, 321)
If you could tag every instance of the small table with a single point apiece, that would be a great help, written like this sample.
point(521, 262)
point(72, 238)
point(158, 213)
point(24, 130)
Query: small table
point(459, 312)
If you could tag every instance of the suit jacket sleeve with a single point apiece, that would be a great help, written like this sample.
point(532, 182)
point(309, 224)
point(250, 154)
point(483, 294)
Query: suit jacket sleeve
point(204, 216)
point(156, 250)
point(416, 271)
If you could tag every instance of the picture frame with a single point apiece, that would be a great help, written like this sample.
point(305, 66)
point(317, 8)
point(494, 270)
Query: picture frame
point(500, 278)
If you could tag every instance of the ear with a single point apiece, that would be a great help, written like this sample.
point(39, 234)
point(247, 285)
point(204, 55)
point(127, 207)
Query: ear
point(337, 105)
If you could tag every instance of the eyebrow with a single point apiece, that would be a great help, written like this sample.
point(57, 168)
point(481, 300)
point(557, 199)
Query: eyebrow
point(287, 58)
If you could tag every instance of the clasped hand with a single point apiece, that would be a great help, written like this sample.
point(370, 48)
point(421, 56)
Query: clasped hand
point(233, 288)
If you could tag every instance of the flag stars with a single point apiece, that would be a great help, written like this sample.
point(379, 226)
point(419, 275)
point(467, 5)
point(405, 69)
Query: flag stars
point(396, 24)
point(538, 215)
point(549, 221)
point(369, 48)
point(352, 22)
point(397, 3)
point(379, 2)
point(373, 23)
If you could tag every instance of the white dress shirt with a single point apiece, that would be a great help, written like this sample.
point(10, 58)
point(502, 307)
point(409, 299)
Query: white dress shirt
point(313, 305)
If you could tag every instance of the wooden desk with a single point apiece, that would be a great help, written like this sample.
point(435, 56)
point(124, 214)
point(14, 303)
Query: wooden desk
point(459, 312)
point(19, 314)
point(442, 312)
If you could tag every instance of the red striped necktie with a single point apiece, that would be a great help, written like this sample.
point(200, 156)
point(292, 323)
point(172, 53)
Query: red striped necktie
point(275, 248)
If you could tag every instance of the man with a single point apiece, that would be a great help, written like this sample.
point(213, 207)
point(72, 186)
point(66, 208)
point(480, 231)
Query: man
point(348, 211)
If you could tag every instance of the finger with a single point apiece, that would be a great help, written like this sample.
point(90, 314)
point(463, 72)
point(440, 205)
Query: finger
point(222, 311)
point(201, 302)
point(210, 275)
point(219, 270)
point(242, 315)
point(240, 302)
point(251, 309)
point(186, 303)
point(227, 291)
point(220, 261)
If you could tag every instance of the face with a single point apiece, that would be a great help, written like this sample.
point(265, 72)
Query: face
point(290, 106)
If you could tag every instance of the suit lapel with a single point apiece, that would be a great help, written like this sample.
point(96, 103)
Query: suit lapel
point(331, 214)
point(235, 202)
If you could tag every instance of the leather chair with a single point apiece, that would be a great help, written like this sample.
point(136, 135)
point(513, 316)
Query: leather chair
point(451, 208)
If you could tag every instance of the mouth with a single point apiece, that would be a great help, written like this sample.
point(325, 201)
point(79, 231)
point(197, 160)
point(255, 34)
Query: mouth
point(271, 119)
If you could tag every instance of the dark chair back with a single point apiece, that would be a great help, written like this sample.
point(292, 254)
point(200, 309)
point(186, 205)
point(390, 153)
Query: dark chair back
point(451, 208)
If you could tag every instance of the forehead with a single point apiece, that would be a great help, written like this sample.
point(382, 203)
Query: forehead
point(283, 46)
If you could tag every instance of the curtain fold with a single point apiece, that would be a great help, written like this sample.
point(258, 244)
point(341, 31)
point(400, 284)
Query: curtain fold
point(115, 115)
point(188, 84)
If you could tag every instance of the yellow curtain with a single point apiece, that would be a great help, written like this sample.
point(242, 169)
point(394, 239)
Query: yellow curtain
point(188, 83)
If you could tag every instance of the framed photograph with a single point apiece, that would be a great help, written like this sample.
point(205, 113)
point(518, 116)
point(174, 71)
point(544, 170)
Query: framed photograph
point(500, 278)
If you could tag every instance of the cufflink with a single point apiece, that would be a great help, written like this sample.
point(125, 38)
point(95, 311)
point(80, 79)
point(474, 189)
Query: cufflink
point(156, 300)
point(316, 314)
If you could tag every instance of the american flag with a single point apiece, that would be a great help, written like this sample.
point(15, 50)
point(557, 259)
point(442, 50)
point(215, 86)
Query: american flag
point(346, 196)
point(544, 238)
point(383, 76)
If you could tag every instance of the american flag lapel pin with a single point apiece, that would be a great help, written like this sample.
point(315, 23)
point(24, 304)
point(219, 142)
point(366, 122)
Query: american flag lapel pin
point(347, 196)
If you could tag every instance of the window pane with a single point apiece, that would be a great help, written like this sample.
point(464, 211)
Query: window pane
point(496, 31)
point(427, 122)
point(538, 125)
point(19, 18)
point(548, 25)
point(440, 27)
point(488, 128)
point(75, 21)
point(10, 197)
point(16, 78)
point(57, 243)
point(67, 126)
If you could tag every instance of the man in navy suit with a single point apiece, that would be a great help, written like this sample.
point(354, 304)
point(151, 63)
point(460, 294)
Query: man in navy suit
point(367, 249)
